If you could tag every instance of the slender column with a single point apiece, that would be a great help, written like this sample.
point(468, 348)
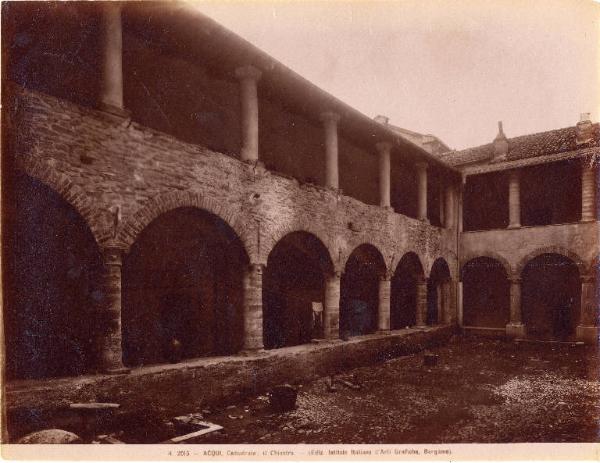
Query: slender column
point(248, 77)
point(515, 328)
point(331, 309)
point(514, 200)
point(421, 302)
point(383, 313)
point(384, 149)
point(422, 191)
point(111, 85)
point(109, 323)
point(449, 207)
point(253, 308)
point(330, 121)
point(588, 186)
point(439, 297)
point(587, 330)
point(460, 207)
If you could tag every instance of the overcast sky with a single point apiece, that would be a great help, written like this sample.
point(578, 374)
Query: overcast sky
point(452, 68)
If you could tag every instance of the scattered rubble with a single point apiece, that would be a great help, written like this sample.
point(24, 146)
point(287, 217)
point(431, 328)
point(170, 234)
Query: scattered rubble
point(51, 436)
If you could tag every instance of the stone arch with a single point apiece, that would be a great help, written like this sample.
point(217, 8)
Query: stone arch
point(370, 245)
point(409, 255)
point(578, 261)
point(70, 192)
point(167, 202)
point(281, 231)
point(489, 254)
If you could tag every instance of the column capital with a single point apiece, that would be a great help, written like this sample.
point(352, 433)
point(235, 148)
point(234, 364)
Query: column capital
point(587, 278)
point(421, 279)
point(386, 276)
point(329, 117)
point(514, 173)
point(422, 165)
point(112, 255)
point(383, 146)
point(248, 72)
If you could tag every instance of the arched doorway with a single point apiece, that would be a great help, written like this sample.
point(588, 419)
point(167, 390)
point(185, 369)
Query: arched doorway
point(551, 293)
point(53, 267)
point(486, 293)
point(437, 292)
point(293, 290)
point(359, 300)
point(403, 303)
point(183, 283)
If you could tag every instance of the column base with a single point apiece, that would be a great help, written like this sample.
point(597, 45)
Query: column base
point(114, 110)
point(117, 371)
point(588, 334)
point(247, 352)
point(513, 226)
point(515, 330)
point(587, 220)
point(384, 332)
point(425, 221)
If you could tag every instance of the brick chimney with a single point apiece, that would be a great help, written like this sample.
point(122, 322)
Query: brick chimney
point(382, 119)
point(584, 129)
point(500, 144)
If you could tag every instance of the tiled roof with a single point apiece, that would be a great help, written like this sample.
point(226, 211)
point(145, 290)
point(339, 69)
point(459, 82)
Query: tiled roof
point(526, 146)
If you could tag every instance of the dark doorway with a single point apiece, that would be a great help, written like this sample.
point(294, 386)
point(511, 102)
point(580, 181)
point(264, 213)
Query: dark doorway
point(182, 282)
point(438, 278)
point(404, 292)
point(359, 301)
point(293, 282)
point(551, 297)
point(51, 292)
point(486, 293)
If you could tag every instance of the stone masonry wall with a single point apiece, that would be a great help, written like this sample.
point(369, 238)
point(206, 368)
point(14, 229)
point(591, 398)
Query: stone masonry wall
point(120, 176)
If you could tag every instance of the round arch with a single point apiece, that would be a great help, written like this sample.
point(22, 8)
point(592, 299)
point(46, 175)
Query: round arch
point(403, 300)
point(70, 193)
point(573, 256)
point(281, 231)
point(438, 294)
point(183, 289)
point(490, 255)
point(551, 296)
point(294, 290)
point(359, 296)
point(161, 204)
point(52, 285)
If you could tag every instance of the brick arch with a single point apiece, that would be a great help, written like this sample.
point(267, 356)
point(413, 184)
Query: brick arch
point(420, 260)
point(71, 193)
point(132, 227)
point(550, 250)
point(278, 233)
point(490, 255)
point(368, 244)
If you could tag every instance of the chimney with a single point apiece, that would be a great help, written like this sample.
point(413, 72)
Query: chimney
point(500, 144)
point(584, 129)
point(382, 119)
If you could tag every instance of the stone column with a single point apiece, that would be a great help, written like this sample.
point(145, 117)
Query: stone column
point(383, 312)
point(253, 308)
point(109, 322)
point(460, 207)
point(514, 200)
point(421, 302)
point(422, 191)
point(588, 187)
point(587, 330)
point(449, 207)
point(330, 121)
point(384, 149)
point(331, 309)
point(515, 328)
point(449, 294)
point(459, 303)
point(111, 85)
point(248, 77)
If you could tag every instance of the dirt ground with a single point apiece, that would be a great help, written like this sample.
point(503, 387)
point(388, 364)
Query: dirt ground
point(481, 390)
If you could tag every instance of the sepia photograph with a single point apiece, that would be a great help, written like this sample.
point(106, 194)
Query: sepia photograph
point(300, 230)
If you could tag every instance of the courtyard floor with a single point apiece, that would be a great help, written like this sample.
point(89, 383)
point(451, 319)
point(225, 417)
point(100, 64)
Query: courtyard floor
point(481, 390)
